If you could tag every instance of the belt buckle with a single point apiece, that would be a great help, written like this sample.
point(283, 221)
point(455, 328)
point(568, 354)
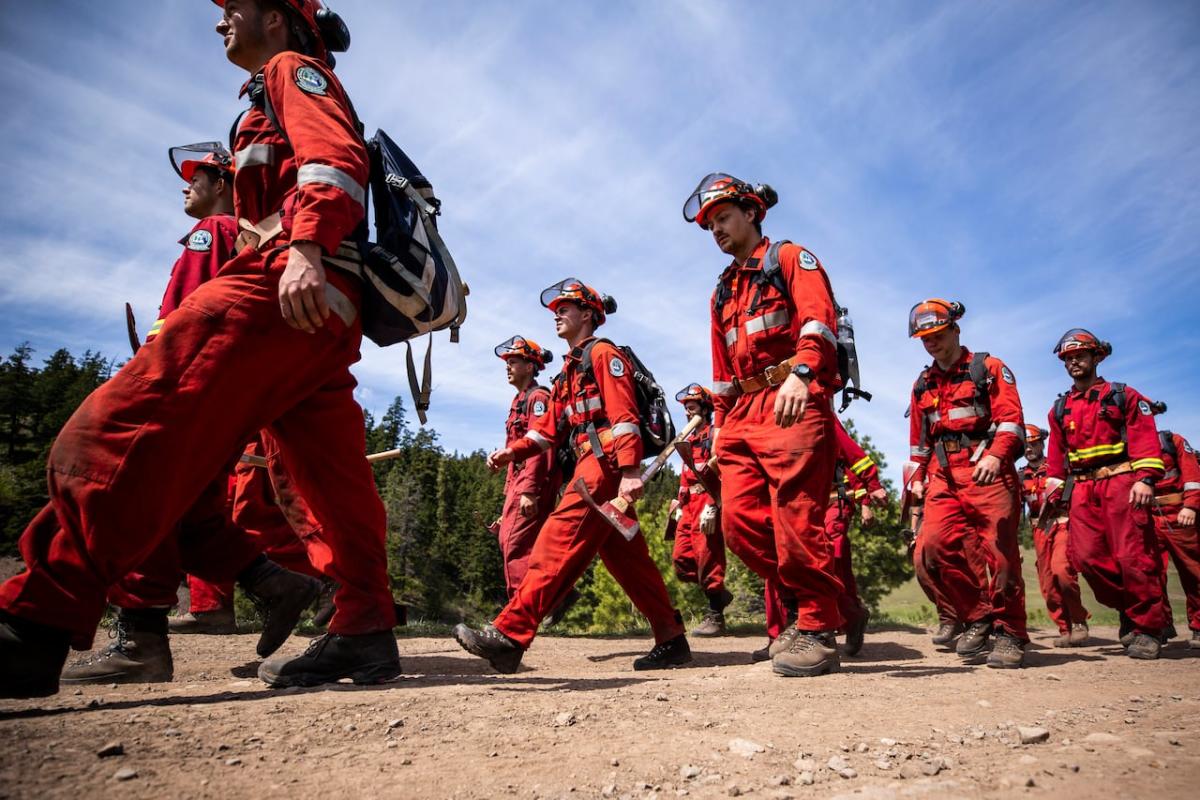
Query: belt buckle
point(772, 374)
point(952, 445)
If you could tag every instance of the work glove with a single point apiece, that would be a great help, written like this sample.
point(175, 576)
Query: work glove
point(708, 519)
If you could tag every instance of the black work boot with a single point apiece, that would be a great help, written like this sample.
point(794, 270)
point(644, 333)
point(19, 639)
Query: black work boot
point(1008, 652)
point(31, 657)
point(280, 596)
point(559, 611)
point(1127, 630)
point(1168, 633)
point(947, 632)
point(1143, 646)
point(214, 623)
point(140, 654)
point(1194, 642)
point(812, 653)
point(856, 632)
point(323, 607)
point(500, 651)
point(974, 642)
point(760, 655)
point(363, 658)
point(664, 655)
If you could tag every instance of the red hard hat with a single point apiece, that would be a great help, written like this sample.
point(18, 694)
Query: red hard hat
point(574, 290)
point(716, 188)
point(323, 28)
point(1081, 339)
point(932, 315)
point(528, 349)
point(694, 392)
point(1034, 434)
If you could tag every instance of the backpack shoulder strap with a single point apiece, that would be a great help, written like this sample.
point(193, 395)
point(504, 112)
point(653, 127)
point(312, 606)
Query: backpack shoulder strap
point(977, 369)
point(772, 271)
point(1166, 441)
point(1060, 408)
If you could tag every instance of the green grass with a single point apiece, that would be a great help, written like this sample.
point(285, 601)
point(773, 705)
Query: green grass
point(908, 605)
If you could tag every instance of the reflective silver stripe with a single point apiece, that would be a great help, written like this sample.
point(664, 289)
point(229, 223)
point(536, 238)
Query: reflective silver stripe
point(813, 327)
point(340, 304)
point(331, 176)
point(541, 441)
point(933, 416)
point(254, 155)
point(591, 404)
point(1013, 428)
point(920, 451)
point(970, 412)
point(625, 429)
point(723, 388)
point(1191, 486)
point(767, 321)
point(730, 336)
point(1052, 484)
point(1169, 474)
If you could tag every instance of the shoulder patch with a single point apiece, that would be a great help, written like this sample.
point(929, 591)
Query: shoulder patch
point(616, 367)
point(807, 260)
point(311, 80)
point(200, 241)
point(1006, 373)
point(1144, 408)
point(539, 408)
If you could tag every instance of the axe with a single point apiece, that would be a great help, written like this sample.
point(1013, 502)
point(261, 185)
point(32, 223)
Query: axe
point(259, 461)
point(131, 329)
point(616, 511)
point(708, 479)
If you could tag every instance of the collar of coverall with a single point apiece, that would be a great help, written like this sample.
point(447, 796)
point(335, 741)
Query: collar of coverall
point(576, 353)
point(754, 262)
point(964, 359)
point(1101, 386)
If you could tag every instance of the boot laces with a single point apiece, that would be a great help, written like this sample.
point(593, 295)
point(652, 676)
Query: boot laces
point(805, 642)
point(713, 616)
point(659, 650)
point(316, 645)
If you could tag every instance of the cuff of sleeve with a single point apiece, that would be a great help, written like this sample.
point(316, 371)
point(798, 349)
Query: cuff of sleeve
point(308, 228)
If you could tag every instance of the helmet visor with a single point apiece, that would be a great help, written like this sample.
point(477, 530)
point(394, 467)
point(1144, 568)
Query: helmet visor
point(515, 346)
point(693, 391)
point(712, 187)
point(926, 318)
point(186, 158)
point(571, 289)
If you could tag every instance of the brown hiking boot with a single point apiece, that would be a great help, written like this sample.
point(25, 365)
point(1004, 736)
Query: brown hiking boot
point(855, 634)
point(1194, 642)
point(140, 654)
point(784, 642)
point(713, 624)
point(281, 596)
point(500, 651)
point(213, 623)
point(1143, 646)
point(1126, 632)
point(812, 653)
point(1008, 652)
point(973, 643)
point(31, 657)
point(947, 632)
point(1063, 639)
point(1079, 634)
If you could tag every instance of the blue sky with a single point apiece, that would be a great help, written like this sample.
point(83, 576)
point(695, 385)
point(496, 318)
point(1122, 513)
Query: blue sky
point(1036, 160)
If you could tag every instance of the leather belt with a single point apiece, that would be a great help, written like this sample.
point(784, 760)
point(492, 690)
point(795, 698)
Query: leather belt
point(1100, 473)
point(258, 236)
point(771, 376)
point(1172, 499)
point(605, 437)
point(1061, 520)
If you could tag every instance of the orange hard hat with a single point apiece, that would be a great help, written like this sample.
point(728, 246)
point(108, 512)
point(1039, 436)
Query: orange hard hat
point(573, 290)
point(932, 315)
point(718, 187)
point(320, 29)
point(528, 349)
point(1081, 339)
point(694, 392)
point(187, 158)
point(1034, 434)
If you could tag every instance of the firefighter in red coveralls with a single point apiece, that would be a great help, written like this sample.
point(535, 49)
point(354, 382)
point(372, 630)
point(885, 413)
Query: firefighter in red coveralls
point(966, 430)
point(140, 651)
point(268, 343)
point(699, 550)
point(1058, 579)
point(774, 346)
point(856, 484)
point(1177, 499)
point(1103, 460)
point(594, 407)
point(531, 486)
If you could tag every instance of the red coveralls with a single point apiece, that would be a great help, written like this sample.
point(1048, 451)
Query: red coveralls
point(1181, 543)
point(1111, 542)
point(948, 421)
point(574, 534)
point(775, 481)
point(859, 477)
point(1058, 579)
point(538, 476)
point(697, 558)
point(137, 453)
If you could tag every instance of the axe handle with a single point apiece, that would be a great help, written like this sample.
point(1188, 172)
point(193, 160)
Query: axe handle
point(662, 457)
point(386, 455)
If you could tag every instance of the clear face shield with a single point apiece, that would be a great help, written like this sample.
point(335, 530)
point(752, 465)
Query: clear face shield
point(712, 187)
point(693, 391)
point(186, 158)
point(926, 318)
point(515, 346)
point(571, 289)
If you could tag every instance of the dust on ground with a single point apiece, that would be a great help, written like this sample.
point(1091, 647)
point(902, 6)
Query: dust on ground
point(903, 719)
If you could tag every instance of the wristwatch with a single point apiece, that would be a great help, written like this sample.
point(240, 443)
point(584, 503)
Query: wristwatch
point(1147, 480)
point(803, 371)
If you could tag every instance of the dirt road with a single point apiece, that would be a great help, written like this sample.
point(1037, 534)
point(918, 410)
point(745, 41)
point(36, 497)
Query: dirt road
point(901, 720)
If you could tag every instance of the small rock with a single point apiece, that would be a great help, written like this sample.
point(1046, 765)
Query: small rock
point(1030, 782)
point(984, 704)
point(779, 780)
point(910, 770)
point(661, 697)
point(1176, 697)
point(608, 791)
point(689, 771)
point(848, 772)
point(404, 762)
point(395, 723)
point(887, 742)
point(745, 748)
point(1032, 735)
point(837, 763)
point(845, 747)
point(883, 763)
point(806, 778)
point(77, 692)
point(232, 762)
point(614, 763)
point(349, 727)
point(1026, 760)
point(805, 765)
point(1052, 677)
point(931, 769)
point(862, 747)
point(172, 732)
point(564, 720)
point(734, 790)
point(111, 749)
point(125, 774)
point(1100, 737)
point(781, 794)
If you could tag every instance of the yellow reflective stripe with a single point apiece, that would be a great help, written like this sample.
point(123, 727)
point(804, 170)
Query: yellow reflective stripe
point(1148, 463)
point(156, 327)
point(1098, 450)
point(862, 465)
point(859, 493)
